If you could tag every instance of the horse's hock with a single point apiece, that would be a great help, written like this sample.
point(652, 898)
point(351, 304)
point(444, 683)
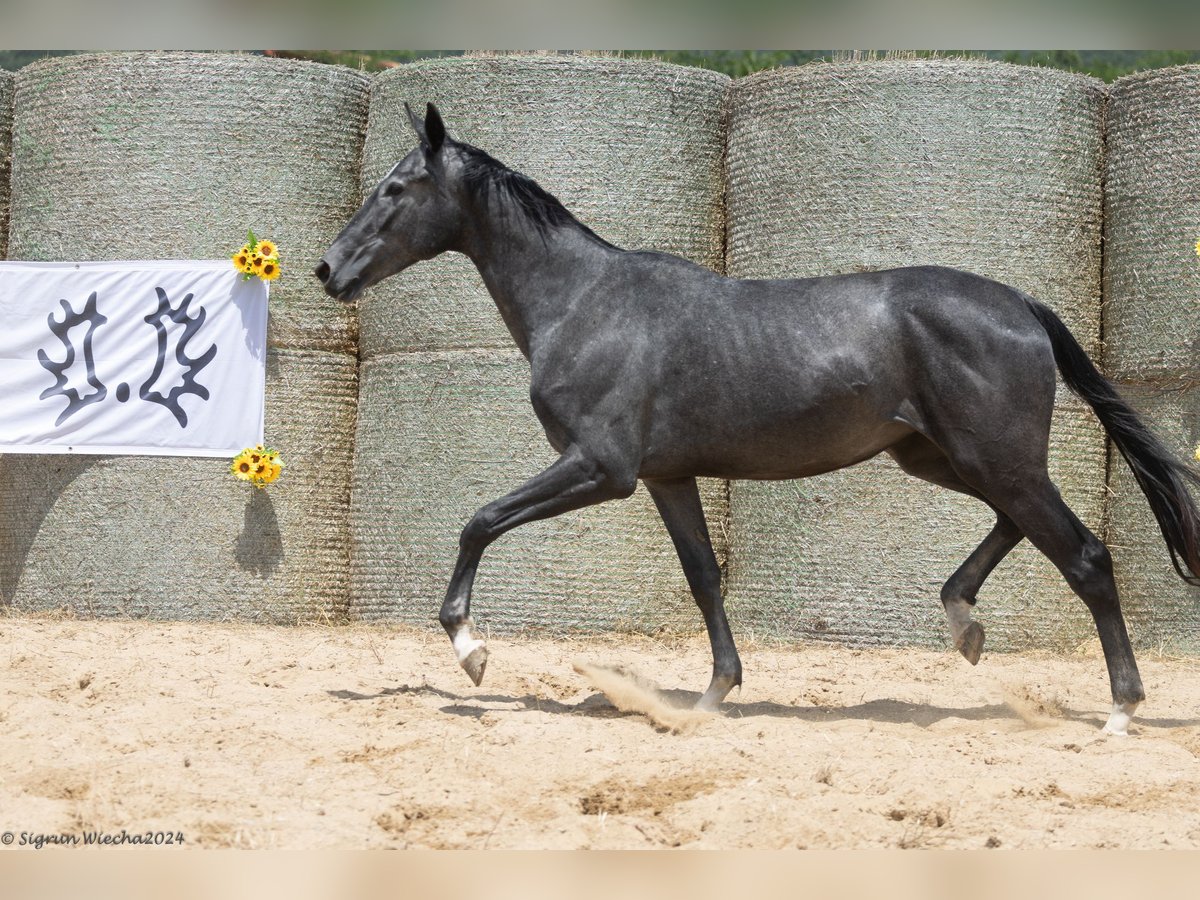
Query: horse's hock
point(634, 149)
point(1152, 322)
point(983, 166)
point(150, 156)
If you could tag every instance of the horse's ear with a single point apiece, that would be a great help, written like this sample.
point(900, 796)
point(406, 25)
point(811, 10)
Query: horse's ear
point(435, 129)
point(417, 125)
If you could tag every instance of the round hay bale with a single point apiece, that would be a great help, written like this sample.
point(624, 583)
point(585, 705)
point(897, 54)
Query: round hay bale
point(176, 155)
point(633, 148)
point(6, 96)
point(442, 433)
point(1163, 611)
point(978, 165)
point(1152, 222)
point(860, 166)
point(860, 556)
point(149, 155)
point(179, 538)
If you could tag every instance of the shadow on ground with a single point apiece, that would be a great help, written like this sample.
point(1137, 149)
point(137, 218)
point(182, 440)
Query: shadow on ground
point(883, 711)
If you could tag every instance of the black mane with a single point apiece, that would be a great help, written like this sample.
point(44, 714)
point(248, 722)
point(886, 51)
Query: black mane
point(485, 174)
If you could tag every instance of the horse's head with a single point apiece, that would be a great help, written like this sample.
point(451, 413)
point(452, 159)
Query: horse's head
point(411, 215)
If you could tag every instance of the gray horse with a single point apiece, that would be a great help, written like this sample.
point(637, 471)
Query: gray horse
point(647, 366)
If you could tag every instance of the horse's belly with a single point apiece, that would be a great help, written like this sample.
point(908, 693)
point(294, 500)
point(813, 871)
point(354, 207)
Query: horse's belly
point(786, 446)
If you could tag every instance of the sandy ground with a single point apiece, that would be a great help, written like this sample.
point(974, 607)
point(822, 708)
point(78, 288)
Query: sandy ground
point(234, 735)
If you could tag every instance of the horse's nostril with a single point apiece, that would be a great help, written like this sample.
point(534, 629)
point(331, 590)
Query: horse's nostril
point(322, 271)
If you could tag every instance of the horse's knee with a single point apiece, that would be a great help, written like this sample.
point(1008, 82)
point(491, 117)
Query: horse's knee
point(1090, 574)
point(478, 532)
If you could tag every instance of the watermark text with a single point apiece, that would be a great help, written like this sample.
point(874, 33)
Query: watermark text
point(39, 840)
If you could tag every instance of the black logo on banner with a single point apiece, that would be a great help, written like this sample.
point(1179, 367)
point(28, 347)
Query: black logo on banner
point(60, 371)
point(191, 367)
point(66, 372)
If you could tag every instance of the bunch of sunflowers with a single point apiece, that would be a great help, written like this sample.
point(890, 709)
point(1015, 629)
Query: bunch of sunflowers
point(257, 257)
point(258, 465)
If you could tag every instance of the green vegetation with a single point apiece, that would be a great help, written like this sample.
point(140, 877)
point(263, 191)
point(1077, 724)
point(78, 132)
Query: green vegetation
point(1105, 64)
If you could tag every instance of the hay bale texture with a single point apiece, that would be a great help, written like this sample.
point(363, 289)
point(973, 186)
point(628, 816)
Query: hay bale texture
point(174, 156)
point(6, 95)
point(1152, 223)
point(852, 166)
point(1152, 324)
point(634, 150)
point(1162, 610)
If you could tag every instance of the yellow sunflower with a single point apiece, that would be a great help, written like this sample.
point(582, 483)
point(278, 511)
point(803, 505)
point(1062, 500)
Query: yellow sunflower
point(241, 259)
point(266, 248)
point(241, 467)
point(269, 270)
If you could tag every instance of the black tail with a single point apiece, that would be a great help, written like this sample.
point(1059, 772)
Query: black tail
point(1162, 477)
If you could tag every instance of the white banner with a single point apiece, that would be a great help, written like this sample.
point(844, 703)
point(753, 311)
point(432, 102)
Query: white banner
point(162, 358)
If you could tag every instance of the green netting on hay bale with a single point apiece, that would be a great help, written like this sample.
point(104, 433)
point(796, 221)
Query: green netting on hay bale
point(179, 538)
point(983, 166)
point(860, 555)
point(633, 148)
point(176, 155)
point(6, 95)
point(1162, 610)
point(443, 433)
point(867, 165)
point(1152, 223)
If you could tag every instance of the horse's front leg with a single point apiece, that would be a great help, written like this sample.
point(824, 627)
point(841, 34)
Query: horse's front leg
point(678, 502)
point(576, 480)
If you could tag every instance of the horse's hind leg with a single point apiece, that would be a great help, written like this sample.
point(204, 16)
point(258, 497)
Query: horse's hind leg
point(920, 457)
point(960, 590)
point(1039, 511)
point(678, 502)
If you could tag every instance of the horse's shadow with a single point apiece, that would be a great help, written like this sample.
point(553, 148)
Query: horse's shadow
point(880, 711)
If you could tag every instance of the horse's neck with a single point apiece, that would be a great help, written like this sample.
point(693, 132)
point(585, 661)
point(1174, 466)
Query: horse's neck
point(532, 277)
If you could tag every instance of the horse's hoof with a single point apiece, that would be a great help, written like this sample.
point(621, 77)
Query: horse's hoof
point(718, 690)
point(1119, 719)
point(475, 663)
point(970, 645)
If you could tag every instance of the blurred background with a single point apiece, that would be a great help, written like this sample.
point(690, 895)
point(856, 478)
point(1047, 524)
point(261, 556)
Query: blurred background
point(1105, 64)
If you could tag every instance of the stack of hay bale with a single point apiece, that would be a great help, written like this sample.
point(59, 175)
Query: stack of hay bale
point(826, 168)
point(866, 165)
point(1152, 324)
point(175, 156)
point(633, 149)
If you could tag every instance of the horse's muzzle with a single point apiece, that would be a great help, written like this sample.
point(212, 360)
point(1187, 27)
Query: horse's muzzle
point(344, 292)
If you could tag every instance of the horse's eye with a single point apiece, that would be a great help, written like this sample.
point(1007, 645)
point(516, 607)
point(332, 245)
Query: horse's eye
point(393, 189)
